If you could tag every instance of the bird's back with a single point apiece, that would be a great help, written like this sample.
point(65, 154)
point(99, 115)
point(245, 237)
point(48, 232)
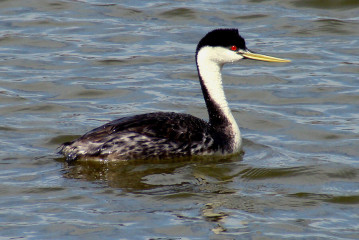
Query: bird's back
point(152, 135)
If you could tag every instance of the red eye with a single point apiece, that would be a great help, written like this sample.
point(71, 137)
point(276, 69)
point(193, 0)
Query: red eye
point(234, 48)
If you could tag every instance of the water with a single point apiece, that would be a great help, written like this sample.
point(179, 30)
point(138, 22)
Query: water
point(69, 66)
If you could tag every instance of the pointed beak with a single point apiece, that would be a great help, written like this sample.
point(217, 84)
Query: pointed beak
point(260, 57)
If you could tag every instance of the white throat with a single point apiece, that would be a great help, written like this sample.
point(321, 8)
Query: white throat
point(209, 66)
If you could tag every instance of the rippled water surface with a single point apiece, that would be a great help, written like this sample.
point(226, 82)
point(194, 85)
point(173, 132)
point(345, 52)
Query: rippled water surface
point(69, 66)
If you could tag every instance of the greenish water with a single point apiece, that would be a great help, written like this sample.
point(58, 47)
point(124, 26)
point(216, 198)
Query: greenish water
point(69, 66)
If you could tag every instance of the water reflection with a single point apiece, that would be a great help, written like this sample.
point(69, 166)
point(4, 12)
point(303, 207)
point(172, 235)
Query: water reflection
point(175, 175)
point(204, 179)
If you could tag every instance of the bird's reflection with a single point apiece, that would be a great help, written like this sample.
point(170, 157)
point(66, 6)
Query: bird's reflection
point(139, 175)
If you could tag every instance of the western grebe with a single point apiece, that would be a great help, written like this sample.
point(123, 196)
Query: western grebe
point(167, 134)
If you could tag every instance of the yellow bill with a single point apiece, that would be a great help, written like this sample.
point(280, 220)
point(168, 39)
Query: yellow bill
point(261, 57)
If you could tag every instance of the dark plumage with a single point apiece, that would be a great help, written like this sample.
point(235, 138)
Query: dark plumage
point(152, 135)
point(223, 38)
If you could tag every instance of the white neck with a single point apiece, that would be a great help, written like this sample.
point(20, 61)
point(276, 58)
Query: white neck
point(209, 68)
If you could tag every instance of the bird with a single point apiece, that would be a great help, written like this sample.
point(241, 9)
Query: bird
point(160, 135)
